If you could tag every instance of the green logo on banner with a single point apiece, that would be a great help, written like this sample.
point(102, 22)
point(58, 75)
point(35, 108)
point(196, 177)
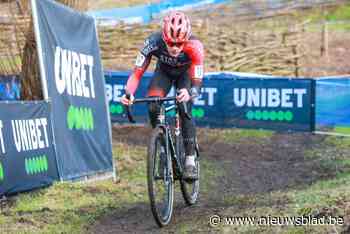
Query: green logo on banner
point(116, 109)
point(250, 115)
point(273, 115)
point(198, 113)
point(80, 118)
point(288, 116)
point(36, 165)
point(257, 115)
point(1, 172)
point(265, 115)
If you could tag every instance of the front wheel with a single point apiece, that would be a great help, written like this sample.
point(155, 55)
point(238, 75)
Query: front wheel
point(190, 189)
point(160, 178)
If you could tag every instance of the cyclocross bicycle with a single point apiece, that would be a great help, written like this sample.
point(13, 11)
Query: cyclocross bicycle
point(166, 161)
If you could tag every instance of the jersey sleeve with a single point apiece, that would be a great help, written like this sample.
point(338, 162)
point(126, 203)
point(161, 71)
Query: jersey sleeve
point(141, 64)
point(195, 51)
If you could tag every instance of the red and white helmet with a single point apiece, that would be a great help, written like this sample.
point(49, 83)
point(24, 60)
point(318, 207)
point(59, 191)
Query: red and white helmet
point(176, 28)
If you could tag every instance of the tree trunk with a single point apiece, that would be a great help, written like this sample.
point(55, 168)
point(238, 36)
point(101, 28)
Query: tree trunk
point(30, 74)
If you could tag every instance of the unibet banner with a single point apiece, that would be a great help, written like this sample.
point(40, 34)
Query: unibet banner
point(27, 156)
point(71, 70)
point(232, 100)
point(203, 111)
point(271, 103)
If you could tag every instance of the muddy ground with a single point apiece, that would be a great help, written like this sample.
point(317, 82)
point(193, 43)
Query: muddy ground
point(247, 166)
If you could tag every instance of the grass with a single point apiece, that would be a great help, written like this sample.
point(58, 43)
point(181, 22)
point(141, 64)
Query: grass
point(327, 197)
point(107, 4)
point(73, 207)
point(209, 170)
point(323, 198)
point(337, 17)
point(11, 64)
point(339, 26)
point(317, 14)
point(342, 129)
point(229, 135)
point(340, 13)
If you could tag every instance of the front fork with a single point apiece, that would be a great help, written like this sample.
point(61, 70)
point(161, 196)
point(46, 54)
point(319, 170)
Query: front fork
point(173, 148)
point(178, 152)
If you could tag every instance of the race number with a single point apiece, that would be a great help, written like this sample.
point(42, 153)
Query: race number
point(198, 71)
point(140, 60)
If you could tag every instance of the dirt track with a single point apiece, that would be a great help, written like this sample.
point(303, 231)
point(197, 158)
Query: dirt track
point(245, 167)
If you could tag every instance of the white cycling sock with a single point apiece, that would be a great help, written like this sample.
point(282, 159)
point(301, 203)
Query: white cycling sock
point(190, 161)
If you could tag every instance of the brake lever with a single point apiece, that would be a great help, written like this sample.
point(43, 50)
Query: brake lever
point(128, 111)
point(185, 107)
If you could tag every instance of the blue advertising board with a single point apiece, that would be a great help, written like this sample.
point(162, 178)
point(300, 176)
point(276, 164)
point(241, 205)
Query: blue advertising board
point(72, 78)
point(27, 155)
point(332, 104)
point(9, 87)
point(144, 13)
point(233, 100)
point(272, 103)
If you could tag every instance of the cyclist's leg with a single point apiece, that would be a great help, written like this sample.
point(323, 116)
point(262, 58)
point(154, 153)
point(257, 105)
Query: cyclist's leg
point(187, 125)
point(159, 87)
point(188, 130)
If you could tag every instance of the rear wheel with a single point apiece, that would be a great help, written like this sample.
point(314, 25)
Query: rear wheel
point(160, 178)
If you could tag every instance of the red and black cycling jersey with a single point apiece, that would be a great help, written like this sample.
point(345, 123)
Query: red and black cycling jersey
point(189, 60)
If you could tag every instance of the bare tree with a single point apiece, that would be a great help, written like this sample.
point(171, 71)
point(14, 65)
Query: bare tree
point(30, 75)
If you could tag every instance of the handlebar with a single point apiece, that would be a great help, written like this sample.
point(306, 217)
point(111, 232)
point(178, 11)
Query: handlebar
point(153, 99)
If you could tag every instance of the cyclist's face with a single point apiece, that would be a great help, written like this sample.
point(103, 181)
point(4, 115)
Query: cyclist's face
point(175, 49)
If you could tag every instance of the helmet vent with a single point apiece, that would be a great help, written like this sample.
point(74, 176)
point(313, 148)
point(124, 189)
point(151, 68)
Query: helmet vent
point(172, 32)
point(178, 32)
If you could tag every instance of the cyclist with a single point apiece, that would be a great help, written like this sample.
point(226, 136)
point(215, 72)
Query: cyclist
point(180, 62)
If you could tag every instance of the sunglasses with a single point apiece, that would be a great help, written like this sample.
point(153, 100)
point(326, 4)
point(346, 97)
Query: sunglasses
point(175, 44)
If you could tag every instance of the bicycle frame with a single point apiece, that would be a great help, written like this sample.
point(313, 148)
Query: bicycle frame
point(162, 210)
point(174, 147)
point(163, 123)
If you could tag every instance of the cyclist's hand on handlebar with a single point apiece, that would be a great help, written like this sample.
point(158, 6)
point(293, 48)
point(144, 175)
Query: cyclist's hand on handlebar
point(127, 99)
point(183, 95)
